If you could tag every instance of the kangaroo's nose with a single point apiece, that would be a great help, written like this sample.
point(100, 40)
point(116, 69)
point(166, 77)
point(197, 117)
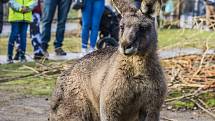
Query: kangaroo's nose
point(127, 48)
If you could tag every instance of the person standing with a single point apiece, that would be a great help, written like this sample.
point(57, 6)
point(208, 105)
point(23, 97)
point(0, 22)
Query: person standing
point(34, 33)
point(50, 7)
point(2, 13)
point(20, 15)
point(91, 17)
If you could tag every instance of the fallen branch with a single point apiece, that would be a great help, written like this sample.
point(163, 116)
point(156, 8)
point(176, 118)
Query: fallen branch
point(43, 74)
point(167, 119)
point(176, 73)
point(16, 77)
point(30, 68)
point(196, 93)
point(201, 62)
point(203, 103)
point(204, 109)
point(187, 85)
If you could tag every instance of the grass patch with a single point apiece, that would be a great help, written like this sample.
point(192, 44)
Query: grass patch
point(178, 104)
point(182, 38)
point(32, 85)
point(9, 70)
point(175, 94)
point(168, 38)
point(209, 98)
point(36, 86)
point(71, 44)
point(183, 104)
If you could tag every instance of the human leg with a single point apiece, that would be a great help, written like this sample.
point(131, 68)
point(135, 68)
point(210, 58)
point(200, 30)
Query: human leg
point(63, 9)
point(35, 33)
point(86, 22)
point(16, 56)
point(36, 37)
point(1, 20)
point(98, 9)
point(23, 39)
point(13, 36)
point(48, 14)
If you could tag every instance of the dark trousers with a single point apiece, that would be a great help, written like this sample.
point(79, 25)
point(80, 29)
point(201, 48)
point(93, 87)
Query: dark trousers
point(17, 28)
point(1, 16)
point(50, 7)
point(35, 35)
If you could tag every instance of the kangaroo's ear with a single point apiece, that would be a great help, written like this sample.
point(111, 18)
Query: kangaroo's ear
point(124, 6)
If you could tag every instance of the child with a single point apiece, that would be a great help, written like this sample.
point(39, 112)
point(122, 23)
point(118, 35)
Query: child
point(20, 15)
point(35, 31)
point(35, 34)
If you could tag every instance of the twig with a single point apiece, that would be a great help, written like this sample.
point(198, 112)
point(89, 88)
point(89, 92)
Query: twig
point(204, 109)
point(197, 92)
point(203, 103)
point(43, 73)
point(178, 98)
point(16, 78)
point(177, 71)
point(30, 68)
point(188, 85)
point(13, 71)
point(41, 64)
point(201, 62)
point(167, 119)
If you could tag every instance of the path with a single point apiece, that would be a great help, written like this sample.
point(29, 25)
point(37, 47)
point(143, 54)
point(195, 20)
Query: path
point(14, 107)
point(162, 54)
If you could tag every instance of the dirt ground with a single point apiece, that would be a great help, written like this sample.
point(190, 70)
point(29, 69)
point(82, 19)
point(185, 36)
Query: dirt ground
point(16, 107)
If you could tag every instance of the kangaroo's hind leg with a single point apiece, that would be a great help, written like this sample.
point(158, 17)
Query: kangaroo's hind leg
point(69, 103)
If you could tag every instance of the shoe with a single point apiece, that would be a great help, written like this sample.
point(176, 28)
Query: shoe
point(91, 50)
point(38, 56)
point(45, 53)
point(9, 61)
point(44, 48)
point(23, 60)
point(59, 51)
point(83, 52)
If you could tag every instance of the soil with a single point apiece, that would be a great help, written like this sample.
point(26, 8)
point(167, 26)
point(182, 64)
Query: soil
point(16, 107)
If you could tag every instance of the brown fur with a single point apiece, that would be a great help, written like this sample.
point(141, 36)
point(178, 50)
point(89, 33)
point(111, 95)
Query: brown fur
point(114, 84)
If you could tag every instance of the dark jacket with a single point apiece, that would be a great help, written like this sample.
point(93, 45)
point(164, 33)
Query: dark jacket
point(1, 13)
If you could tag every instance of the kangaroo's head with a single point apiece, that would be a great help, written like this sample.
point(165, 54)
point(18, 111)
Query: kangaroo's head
point(136, 33)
